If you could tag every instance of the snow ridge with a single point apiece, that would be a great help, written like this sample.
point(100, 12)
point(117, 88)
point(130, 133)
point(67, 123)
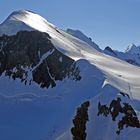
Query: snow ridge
point(116, 71)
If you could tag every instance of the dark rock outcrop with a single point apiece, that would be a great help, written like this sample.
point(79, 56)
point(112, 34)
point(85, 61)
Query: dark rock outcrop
point(108, 49)
point(131, 61)
point(30, 56)
point(129, 118)
point(80, 120)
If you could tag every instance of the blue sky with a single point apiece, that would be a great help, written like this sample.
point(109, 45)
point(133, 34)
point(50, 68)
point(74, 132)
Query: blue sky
point(114, 23)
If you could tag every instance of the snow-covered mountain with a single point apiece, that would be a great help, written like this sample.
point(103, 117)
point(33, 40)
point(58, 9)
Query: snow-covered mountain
point(34, 53)
point(131, 54)
point(132, 49)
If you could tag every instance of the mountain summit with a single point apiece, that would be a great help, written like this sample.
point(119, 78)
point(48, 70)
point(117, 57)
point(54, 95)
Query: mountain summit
point(24, 20)
point(133, 49)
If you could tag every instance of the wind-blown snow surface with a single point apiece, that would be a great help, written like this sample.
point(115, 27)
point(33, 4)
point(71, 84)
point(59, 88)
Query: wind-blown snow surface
point(31, 113)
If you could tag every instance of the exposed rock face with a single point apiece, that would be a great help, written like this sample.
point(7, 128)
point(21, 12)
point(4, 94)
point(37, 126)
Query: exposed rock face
point(129, 116)
point(80, 120)
point(30, 56)
point(109, 50)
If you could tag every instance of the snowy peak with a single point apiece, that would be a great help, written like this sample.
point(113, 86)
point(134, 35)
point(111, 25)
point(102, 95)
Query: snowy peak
point(27, 17)
point(13, 24)
point(13, 15)
point(132, 49)
point(109, 51)
point(78, 34)
point(24, 20)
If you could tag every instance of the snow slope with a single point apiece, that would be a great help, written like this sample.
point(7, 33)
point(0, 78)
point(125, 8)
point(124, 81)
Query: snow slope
point(78, 34)
point(39, 114)
point(118, 73)
point(103, 128)
point(33, 113)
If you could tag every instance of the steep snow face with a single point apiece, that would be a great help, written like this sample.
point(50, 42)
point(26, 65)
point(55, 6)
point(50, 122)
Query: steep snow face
point(82, 36)
point(120, 74)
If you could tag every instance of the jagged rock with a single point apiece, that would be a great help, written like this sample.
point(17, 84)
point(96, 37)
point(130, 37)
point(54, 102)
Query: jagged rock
point(30, 56)
point(80, 120)
point(108, 49)
point(129, 118)
point(102, 110)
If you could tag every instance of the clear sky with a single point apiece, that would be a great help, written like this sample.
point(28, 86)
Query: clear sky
point(114, 23)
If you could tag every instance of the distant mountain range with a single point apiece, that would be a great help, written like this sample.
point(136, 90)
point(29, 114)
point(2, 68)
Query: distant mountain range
point(130, 55)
